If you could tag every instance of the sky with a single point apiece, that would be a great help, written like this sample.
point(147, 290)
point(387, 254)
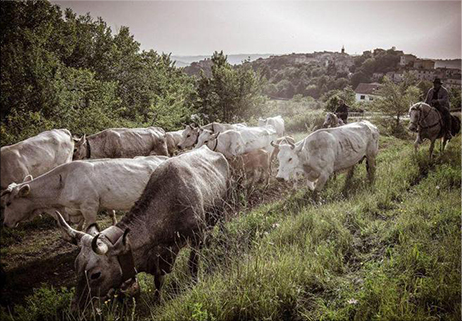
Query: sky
point(428, 29)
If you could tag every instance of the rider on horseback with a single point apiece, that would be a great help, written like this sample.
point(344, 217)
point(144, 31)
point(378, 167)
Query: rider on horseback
point(438, 98)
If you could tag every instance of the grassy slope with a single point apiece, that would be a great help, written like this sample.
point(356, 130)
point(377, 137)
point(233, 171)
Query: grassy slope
point(387, 252)
point(390, 252)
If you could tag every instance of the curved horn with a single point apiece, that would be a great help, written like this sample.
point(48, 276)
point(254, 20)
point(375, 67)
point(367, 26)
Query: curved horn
point(74, 234)
point(274, 144)
point(292, 145)
point(100, 247)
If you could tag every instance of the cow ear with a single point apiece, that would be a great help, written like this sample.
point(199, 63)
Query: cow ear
point(28, 178)
point(24, 190)
point(121, 245)
point(93, 229)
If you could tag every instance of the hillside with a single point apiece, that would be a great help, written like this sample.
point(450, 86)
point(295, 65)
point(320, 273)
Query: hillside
point(388, 251)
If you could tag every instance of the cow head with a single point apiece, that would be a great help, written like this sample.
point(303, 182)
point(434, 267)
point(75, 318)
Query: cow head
point(261, 122)
point(204, 137)
point(97, 265)
point(288, 160)
point(80, 148)
point(189, 136)
point(16, 204)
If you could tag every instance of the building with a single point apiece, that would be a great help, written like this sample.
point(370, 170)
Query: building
point(366, 92)
point(376, 76)
point(424, 64)
point(424, 74)
point(395, 76)
point(407, 60)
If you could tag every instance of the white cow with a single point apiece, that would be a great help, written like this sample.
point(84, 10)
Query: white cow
point(81, 187)
point(35, 156)
point(173, 139)
point(330, 150)
point(236, 142)
point(192, 132)
point(276, 122)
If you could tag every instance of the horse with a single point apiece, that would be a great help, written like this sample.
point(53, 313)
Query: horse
point(332, 120)
point(427, 122)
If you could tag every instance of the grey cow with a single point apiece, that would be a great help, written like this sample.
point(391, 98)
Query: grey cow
point(179, 202)
point(122, 143)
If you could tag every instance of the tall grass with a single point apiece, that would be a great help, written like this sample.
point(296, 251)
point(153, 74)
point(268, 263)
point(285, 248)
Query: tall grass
point(390, 251)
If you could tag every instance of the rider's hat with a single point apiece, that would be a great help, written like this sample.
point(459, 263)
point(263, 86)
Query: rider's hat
point(437, 81)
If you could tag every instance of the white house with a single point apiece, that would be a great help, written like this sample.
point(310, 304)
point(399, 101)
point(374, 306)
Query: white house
point(366, 91)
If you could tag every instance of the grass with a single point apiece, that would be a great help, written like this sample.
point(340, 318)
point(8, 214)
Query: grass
point(390, 251)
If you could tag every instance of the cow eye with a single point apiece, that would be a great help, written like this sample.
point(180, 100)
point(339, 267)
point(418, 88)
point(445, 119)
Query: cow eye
point(75, 150)
point(8, 203)
point(95, 276)
point(290, 159)
point(188, 135)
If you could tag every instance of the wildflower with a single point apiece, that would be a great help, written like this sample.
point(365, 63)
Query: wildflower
point(352, 301)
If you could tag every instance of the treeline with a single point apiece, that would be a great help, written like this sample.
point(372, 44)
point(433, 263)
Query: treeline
point(291, 75)
point(63, 70)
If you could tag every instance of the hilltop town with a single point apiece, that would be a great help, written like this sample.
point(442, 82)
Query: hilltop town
point(314, 74)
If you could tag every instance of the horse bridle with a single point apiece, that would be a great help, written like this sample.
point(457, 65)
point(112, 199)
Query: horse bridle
point(421, 121)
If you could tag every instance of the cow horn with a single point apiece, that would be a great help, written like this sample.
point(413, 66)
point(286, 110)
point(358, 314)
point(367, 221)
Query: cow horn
point(274, 144)
point(100, 247)
point(292, 145)
point(74, 234)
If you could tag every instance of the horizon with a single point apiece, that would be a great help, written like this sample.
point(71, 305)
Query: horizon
point(279, 28)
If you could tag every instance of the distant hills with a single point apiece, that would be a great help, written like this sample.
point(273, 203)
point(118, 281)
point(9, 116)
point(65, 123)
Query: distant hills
point(183, 61)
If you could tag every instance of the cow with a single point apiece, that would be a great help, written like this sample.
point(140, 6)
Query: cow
point(285, 139)
point(252, 164)
point(81, 188)
point(35, 156)
point(235, 142)
point(182, 199)
point(330, 150)
point(332, 120)
point(122, 143)
point(173, 139)
point(276, 122)
point(192, 132)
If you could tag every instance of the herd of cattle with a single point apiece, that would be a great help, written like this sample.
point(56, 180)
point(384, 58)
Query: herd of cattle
point(170, 200)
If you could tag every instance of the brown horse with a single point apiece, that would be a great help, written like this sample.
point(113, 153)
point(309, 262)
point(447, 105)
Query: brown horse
point(426, 121)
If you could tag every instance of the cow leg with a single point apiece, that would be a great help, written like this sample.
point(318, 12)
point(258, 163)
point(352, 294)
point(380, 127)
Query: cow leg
point(193, 263)
point(370, 167)
point(89, 215)
point(350, 174)
point(322, 179)
point(158, 282)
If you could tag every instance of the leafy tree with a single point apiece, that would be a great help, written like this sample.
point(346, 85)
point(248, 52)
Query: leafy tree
point(396, 98)
point(230, 93)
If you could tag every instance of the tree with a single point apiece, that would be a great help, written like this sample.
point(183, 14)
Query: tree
point(230, 93)
point(396, 99)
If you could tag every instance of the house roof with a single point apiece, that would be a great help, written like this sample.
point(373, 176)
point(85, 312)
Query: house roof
point(367, 88)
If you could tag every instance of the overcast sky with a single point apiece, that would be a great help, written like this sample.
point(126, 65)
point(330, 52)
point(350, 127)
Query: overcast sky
point(429, 29)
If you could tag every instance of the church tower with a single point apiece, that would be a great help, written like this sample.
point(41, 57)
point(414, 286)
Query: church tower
point(343, 49)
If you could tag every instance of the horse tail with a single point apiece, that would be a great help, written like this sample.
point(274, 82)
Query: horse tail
point(455, 125)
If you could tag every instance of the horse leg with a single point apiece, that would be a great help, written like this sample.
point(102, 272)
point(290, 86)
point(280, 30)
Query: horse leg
point(432, 145)
point(417, 143)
